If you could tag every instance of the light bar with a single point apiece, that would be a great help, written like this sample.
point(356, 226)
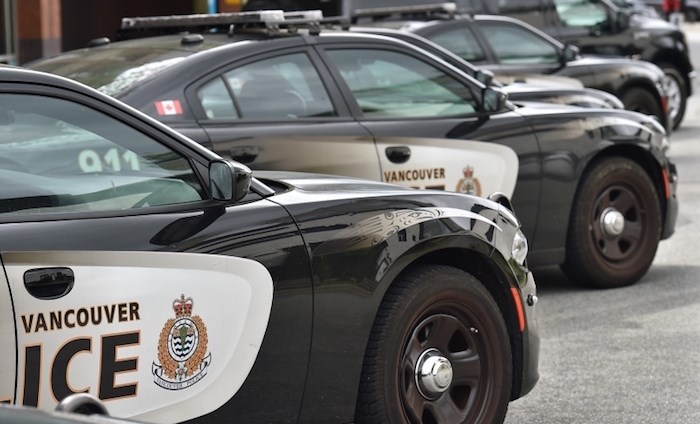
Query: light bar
point(405, 10)
point(261, 16)
point(305, 15)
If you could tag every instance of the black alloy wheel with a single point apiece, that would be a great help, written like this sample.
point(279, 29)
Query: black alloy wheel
point(615, 226)
point(439, 353)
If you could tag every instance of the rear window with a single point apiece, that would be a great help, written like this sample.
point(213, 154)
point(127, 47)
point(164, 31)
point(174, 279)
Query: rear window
point(112, 70)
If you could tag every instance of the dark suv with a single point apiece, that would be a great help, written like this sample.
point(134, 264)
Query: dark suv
point(600, 27)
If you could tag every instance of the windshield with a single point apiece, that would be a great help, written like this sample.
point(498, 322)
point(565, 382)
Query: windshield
point(112, 70)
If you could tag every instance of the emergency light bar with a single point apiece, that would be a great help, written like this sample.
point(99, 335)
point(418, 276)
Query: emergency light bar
point(268, 17)
point(427, 9)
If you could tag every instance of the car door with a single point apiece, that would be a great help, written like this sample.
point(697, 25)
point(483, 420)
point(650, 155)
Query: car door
point(126, 281)
point(281, 111)
point(426, 120)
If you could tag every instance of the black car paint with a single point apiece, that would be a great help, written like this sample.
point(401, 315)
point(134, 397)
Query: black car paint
point(326, 290)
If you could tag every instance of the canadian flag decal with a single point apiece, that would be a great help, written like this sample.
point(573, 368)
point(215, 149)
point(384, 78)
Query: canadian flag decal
point(168, 107)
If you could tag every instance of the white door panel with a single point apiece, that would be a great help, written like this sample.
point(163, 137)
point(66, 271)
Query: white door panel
point(158, 336)
point(472, 167)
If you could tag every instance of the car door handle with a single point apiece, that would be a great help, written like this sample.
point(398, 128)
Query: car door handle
point(245, 154)
point(398, 154)
point(49, 283)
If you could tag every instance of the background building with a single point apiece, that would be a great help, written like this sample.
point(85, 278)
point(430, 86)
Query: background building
point(32, 29)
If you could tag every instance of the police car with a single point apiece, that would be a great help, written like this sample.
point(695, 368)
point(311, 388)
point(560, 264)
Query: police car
point(173, 285)
point(594, 188)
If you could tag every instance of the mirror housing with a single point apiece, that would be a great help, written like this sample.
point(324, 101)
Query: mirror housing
point(484, 76)
point(229, 180)
point(493, 99)
point(569, 53)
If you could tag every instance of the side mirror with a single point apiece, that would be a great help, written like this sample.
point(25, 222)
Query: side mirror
point(570, 53)
point(484, 76)
point(493, 99)
point(229, 180)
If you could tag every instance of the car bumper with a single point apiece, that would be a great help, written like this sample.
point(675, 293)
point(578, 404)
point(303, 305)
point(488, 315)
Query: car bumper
point(671, 202)
point(531, 338)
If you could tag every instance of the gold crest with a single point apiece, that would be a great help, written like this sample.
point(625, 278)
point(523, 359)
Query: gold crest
point(182, 348)
point(469, 184)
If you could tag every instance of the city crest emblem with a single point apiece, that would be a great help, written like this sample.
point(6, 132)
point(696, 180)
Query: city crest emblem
point(469, 184)
point(182, 348)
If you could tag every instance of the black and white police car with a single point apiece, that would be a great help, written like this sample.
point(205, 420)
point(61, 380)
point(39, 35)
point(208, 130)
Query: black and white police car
point(171, 284)
point(594, 188)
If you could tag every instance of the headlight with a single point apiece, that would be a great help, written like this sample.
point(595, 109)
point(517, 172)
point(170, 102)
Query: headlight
point(519, 248)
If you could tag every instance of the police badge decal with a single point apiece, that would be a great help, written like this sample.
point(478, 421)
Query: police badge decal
point(469, 184)
point(182, 349)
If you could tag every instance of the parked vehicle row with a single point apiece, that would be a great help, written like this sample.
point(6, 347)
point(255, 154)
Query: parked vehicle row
point(132, 240)
point(375, 106)
point(601, 27)
point(509, 47)
point(174, 285)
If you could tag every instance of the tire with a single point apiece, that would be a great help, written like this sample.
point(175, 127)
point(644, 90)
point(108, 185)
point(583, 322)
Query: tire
point(608, 256)
point(430, 314)
point(676, 93)
point(642, 101)
point(691, 15)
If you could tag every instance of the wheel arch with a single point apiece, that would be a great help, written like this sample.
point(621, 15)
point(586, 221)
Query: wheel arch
point(643, 158)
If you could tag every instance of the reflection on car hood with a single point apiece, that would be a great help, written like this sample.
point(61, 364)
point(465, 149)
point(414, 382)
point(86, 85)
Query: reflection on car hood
point(323, 182)
point(614, 62)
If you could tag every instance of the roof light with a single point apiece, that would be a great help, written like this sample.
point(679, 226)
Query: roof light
point(450, 8)
point(261, 16)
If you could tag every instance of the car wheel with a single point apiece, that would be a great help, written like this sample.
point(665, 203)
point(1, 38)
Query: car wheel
point(676, 93)
point(691, 15)
point(641, 100)
point(439, 352)
point(615, 225)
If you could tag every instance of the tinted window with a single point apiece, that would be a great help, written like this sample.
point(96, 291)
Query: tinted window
point(460, 41)
point(581, 13)
point(515, 44)
point(393, 84)
point(57, 156)
point(282, 87)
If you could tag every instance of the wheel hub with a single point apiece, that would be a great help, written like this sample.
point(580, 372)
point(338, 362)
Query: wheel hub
point(433, 374)
point(612, 221)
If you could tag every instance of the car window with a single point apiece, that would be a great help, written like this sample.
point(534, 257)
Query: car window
point(513, 44)
point(581, 13)
point(57, 156)
point(392, 84)
point(460, 41)
point(282, 87)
